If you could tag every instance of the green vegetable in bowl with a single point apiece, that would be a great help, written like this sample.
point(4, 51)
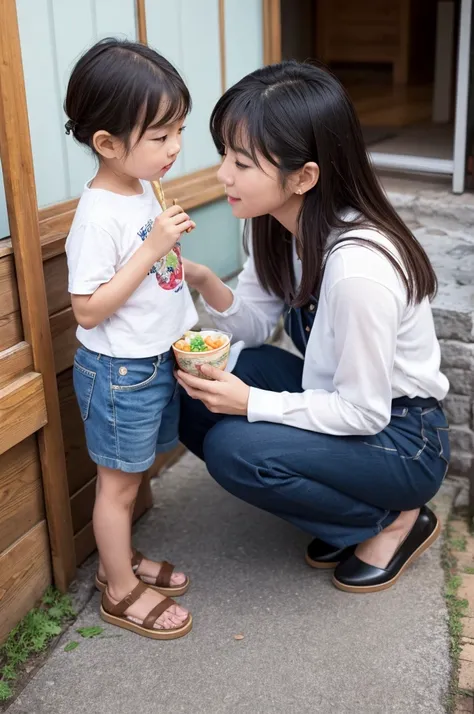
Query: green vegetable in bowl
point(197, 344)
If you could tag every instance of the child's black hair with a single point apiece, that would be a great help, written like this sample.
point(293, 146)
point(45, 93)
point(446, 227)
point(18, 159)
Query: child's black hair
point(117, 86)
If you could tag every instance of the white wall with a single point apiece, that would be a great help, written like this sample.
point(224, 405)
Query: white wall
point(54, 33)
point(243, 38)
point(186, 32)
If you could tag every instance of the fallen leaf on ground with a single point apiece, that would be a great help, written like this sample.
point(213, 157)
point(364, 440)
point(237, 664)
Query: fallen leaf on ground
point(89, 632)
point(71, 646)
point(238, 637)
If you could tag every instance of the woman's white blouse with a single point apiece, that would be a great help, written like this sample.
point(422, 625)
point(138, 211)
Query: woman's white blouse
point(367, 345)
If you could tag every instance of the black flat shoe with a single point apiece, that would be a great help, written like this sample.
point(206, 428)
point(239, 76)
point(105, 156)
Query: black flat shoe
point(320, 554)
point(355, 576)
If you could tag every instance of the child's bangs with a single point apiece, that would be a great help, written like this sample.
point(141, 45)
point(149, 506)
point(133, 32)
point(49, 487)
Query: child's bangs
point(167, 101)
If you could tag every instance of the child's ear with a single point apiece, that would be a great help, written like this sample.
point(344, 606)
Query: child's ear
point(308, 177)
point(105, 144)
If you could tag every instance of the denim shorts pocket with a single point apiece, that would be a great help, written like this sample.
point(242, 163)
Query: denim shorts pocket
point(133, 374)
point(84, 380)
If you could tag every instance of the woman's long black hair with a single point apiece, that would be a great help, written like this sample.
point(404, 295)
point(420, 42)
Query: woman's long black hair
point(293, 113)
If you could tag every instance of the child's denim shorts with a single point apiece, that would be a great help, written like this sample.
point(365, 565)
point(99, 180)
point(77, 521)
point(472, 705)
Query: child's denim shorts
point(130, 408)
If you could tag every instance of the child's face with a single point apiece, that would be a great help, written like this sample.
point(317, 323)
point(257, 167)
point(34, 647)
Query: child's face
point(152, 156)
point(252, 191)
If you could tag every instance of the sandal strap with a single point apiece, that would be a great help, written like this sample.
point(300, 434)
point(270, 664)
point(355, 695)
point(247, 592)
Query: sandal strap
point(120, 608)
point(163, 579)
point(156, 612)
point(137, 558)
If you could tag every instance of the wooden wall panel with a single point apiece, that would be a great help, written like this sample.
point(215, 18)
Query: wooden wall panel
point(14, 362)
point(84, 544)
point(22, 201)
point(4, 228)
point(25, 573)
point(11, 330)
point(8, 290)
point(82, 505)
point(80, 468)
point(55, 278)
point(21, 491)
point(63, 331)
point(22, 410)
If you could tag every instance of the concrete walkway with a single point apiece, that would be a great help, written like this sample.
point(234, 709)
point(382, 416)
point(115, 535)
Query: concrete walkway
point(307, 647)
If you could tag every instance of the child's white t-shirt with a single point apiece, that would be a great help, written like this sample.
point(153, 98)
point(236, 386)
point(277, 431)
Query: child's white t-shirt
point(106, 231)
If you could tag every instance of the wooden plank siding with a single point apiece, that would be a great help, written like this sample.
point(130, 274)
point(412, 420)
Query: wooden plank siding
point(22, 409)
point(63, 332)
point(11, 330)
point(25, 573)
point(25, 403)
point(55, 279)
point(21, 492)
point(14, 362)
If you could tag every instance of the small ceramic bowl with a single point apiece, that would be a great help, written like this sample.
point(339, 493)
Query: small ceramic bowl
point(191, 362)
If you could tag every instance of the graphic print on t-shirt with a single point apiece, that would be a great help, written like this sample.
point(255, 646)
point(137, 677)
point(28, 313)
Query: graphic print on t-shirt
point(169, 270)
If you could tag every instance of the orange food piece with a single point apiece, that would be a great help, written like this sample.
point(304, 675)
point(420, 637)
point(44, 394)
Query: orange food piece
point(180, 345)
point(214, 342)
point(186, 348)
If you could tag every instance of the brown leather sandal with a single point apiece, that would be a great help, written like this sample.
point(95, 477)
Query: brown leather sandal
point(113, 613)
point(161, 583)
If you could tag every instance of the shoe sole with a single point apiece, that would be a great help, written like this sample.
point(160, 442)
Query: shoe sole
point(125, 624)
point(384, 586)
point(170, 592)
point(318, 564)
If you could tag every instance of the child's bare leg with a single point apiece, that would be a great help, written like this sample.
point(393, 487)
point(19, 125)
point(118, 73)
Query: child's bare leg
point(101, 569)
point(115, 494)
point(148, 568)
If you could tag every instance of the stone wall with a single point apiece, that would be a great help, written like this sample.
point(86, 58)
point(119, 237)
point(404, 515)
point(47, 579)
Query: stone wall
point(444, 224)
point(457, 349)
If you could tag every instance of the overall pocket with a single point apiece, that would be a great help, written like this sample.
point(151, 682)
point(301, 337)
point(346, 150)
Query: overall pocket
point(83, 380)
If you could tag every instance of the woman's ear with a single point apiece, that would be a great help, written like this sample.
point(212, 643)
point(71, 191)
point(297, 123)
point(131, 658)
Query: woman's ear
point(105, 145)
point(307, 177)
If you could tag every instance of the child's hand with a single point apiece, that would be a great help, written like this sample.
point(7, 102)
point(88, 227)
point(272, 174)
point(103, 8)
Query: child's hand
point(168, 229)
point(195, 274)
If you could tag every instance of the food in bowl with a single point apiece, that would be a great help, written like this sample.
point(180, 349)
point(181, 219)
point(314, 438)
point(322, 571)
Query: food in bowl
point(204, 347)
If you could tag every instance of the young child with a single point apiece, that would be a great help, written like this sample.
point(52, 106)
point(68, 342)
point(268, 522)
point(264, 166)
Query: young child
point(127, 104)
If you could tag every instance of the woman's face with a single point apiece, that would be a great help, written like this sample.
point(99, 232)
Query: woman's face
point(252, 190)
